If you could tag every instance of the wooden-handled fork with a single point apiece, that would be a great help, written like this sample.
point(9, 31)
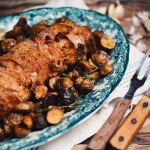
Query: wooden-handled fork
point(101, 138)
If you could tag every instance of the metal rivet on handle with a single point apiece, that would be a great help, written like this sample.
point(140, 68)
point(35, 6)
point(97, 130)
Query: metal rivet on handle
point(121, 138)
point(99, 139)
point(122, 104)
point(145, 104)
point(134, 121)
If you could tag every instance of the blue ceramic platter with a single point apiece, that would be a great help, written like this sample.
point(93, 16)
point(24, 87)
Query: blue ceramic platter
point(118, 58)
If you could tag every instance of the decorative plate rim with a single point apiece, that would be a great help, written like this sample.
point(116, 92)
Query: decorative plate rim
point(38, 143)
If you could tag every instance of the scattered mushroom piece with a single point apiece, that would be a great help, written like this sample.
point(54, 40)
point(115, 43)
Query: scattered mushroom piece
point(52, 82)
point(86, 86)
point(54, 115)
point(85, 66)
point(15, 119)
point(100, 58)
point(24, 107)
point(73, 74)
point(20, 131)
point(27, 121)
point(105, 70)
point(78, 82)
point(92, 64)
point(8, 129)
point(107, 42)
point(39, 121)
point(50, 99)
point(40, 91)
point(64, 82)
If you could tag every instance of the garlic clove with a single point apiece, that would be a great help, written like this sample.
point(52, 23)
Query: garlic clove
point(119, 11)
point(111, 10)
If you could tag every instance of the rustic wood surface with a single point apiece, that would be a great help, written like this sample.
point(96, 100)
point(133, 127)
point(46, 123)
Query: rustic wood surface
point(142, 139)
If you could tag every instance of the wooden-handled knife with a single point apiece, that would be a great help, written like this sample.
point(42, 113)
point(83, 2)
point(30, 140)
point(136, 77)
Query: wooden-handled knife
point(132, 124)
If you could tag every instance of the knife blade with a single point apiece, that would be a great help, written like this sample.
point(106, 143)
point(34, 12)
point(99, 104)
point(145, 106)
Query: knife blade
point(132, 124)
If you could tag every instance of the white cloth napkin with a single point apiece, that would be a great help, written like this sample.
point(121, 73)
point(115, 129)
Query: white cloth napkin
point(92, 125)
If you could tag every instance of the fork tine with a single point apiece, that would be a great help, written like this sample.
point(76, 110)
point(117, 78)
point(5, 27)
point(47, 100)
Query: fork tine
point(143, 60)
point(147, 73)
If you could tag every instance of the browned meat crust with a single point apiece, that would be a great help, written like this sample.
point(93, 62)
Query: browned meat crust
point(33, 60)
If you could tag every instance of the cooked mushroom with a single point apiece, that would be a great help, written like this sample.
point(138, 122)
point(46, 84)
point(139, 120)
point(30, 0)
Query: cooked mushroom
point(54, 115)
point(27, 121)
point(107, 42)
point(40, 91)
point(92, 64)
point(85, 65)
point(20, 131)
point(100, 58)
point(73, 74)
point(86, 86)
point(78, 82)
point(50, 99)
point(8, 129)
point(52, 82)
point(2, 134)
point(39, 121)
point(67, 97)
point(15, 119)
point(105, 70)
point(23, 107)
point(64, 83)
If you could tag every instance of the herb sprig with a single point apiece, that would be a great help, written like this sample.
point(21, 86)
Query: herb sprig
point(78, 101)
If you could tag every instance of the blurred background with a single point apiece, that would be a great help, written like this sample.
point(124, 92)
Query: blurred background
point(132, 15)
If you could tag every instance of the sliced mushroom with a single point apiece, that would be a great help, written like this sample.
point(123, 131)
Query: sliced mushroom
point(78, 82)
point(52, 82)
point(92, 64)
point(24, 107)
point(54, 115)
point(20, 131)
point(107, 42)
point(15, 119)
point(100, 58)
point(86, 86)
point(27, 121)
point(85, 66)
point(64, 83)
point(73, 74)
point(50, 99)
point(106, 70)
point(40, 91)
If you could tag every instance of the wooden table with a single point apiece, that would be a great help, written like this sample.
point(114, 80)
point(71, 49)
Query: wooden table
point(142, 139)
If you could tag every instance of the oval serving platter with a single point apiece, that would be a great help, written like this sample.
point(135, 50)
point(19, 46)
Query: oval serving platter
point(103, 88)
